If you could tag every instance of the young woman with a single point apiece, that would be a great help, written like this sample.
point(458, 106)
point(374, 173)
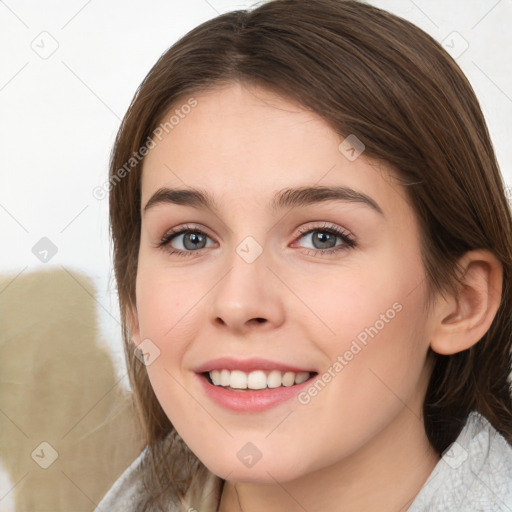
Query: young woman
point(313, 252)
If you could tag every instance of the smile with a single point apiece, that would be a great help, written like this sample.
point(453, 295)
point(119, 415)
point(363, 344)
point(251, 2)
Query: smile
point(259, 379)
point(252, 385)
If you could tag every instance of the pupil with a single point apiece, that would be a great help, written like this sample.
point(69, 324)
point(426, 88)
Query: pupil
point(195, 240)
point(323, 238)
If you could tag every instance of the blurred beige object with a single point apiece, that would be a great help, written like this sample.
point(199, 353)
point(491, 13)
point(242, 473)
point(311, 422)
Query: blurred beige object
point(67, 426)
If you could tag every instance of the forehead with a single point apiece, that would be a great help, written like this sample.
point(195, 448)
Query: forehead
point(244, 143)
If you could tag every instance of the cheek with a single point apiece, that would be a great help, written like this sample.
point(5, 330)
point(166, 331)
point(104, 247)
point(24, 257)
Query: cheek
point(375, 366)
point(374, 330)
point(171, 316)
point(168, 315)
point(167, 305)
point(379, 298)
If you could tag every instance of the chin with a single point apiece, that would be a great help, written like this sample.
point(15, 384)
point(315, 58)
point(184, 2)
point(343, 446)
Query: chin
point(262, 472)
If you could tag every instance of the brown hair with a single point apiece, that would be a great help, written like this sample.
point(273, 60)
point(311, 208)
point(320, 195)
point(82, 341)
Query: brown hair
point(369, 73)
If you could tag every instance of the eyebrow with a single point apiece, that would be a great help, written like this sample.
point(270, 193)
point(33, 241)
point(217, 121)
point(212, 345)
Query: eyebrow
point(287, 198)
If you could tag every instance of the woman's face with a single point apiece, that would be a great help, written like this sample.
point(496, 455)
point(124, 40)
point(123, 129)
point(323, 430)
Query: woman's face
point(270, 286)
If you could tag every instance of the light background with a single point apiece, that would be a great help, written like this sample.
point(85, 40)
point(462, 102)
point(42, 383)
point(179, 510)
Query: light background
point(68, 71)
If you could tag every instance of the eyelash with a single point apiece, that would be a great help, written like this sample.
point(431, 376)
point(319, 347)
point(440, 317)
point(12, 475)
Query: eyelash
point(349, 242)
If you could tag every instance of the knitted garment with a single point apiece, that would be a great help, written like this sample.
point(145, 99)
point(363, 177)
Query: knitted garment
point(473, 475)
point(126, 493)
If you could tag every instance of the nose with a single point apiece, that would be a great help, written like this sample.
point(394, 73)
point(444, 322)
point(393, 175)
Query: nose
point(247, 296)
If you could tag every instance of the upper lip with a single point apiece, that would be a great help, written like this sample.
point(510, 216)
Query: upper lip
point(247, 365)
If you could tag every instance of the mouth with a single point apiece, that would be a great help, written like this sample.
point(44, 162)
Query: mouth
point(252, 386)
point(257, 380)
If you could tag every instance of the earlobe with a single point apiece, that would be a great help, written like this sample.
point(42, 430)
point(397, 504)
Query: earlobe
point(462, 320)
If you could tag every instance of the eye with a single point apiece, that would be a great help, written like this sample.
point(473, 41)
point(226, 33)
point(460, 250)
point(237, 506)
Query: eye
point(324, 239)
point(192, 239)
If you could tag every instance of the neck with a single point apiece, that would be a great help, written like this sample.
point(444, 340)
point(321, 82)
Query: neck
point(386, 474)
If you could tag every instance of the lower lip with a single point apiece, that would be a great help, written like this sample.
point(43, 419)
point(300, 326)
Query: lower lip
point(251, 400)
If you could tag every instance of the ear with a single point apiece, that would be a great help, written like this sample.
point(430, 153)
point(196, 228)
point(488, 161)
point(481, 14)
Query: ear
point(461, 321)
point(133, 324)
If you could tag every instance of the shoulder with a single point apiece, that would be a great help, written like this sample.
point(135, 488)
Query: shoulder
point(474, 473)
point(127, 491)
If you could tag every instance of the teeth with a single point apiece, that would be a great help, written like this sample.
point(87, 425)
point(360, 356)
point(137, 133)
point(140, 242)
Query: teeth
point(238, 379)
point(301, 377)
point(257, 379)
point(289, 379)
point(215, 376)
point(225, 376)
point(274, 379)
